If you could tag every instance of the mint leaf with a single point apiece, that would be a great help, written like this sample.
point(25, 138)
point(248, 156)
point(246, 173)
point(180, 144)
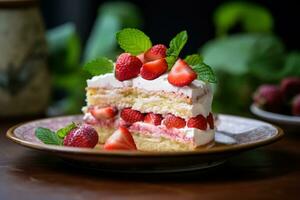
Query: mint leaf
point(133, 41)
point(205, 73)
point(64, 131)
point(175, 46)
point(99, 66)
point(170, 60)
point(194, 59)
point(47, 136)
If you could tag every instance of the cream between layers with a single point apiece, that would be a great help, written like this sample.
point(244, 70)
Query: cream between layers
point(199, 92)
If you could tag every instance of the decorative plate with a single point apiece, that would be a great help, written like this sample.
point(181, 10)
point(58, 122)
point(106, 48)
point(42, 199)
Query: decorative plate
point(234, 135)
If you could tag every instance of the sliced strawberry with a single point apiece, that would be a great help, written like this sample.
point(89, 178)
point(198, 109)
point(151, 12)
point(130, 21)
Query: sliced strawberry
point(154, 119)
point(152, 70)
point(121, 139)
point(141, 57)
point(198, 122)
point(104, 113)
point(181, 74)
point(130, 116)
point(127, 67)
point(156, 52)
point(171, 121)
point(210, 121)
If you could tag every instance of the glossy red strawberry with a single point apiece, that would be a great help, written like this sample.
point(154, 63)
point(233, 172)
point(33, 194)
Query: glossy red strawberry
point(154, 119)
point(141, 57)
point(290, 87)
point(210, 121)
point(130, 116)
point(198, 122)
point(156, 52)
point(152, 70)
point(82, 136)
point(104, 113)
point(121, 139)
point(171, 121)
point(127, 67)
point(181, 74)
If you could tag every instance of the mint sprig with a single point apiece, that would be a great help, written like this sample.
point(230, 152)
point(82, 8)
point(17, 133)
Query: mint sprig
point(204, 73)
point(194, 59)
point(53, 138)
point(133, 41)
point(175, 47)
point(99, 66)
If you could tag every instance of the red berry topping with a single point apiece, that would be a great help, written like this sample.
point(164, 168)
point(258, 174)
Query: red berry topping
point(181, 74)
point(141, 57)
point(210, 121)
point(127, 67)
point(296, 105)
point(83, 136)
point(198, 122)
point(156, 52)
point(171, 121)
point(152, 70)
point(269, 97)
point(130, 116)
point(104, 113)
point(290, 87)
point(154, 119)
point(121, 139)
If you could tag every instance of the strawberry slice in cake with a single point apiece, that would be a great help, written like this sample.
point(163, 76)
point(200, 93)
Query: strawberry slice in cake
point(161, 101)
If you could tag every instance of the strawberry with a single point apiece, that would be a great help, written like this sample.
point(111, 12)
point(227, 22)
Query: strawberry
point(210, 121)
point(82, 136)
point(289, 87)
point(130, 116)
point(104, 113)
point(154, 119)
point(198, 122)
point(152, 70)
point(127, 67)
point(181, 74)
point(121, 139)
point(171, 121)
point(156, 52)
point(296, 105)
point(141, 57)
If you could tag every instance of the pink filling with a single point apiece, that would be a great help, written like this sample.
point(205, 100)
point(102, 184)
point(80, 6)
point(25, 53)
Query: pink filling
point(160, 131)
point(89, 119)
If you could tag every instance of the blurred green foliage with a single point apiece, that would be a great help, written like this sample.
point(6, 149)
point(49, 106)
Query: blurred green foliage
point(67, 54)
point(246, 59)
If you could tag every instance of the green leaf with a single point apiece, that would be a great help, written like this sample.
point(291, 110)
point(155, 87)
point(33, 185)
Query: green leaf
point(133, 41)
point(177, 43)
point(65, 130)
point(251, 17)
point(99, 66)
point(194, 59)
point(170, 60)
point(205, 73)
point(47, 136)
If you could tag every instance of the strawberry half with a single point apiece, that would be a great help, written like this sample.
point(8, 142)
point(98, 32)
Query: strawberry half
point(198, 122)
point(154, 119)
point(121, 139)
point(156, 52)
point(210, 121)
point(171, 121)
point(104, 113)
point(141, 57)
point(127, 67)
point(131, 116)
point(181, 74)
point(152, 70)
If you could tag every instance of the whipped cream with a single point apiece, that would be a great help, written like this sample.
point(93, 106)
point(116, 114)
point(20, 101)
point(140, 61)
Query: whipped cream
point(200, 137)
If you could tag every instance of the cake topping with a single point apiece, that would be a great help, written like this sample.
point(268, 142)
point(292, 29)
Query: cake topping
point(156, 52)
point(131, 116)
point(181, 74)
point(121, 139)
point(152, 70)
point(104, 113)
point(154, 119)
point(171, 121)
point(198, 122)
point(127, 67)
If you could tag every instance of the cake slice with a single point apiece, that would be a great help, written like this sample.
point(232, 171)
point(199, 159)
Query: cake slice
point(164, 110)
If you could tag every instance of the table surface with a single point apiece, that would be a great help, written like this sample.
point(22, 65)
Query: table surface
point(271, 172)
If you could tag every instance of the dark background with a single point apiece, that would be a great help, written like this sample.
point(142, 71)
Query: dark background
point(163, 19)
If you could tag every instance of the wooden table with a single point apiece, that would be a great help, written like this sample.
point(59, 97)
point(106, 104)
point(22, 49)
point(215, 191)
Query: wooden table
point(271, 172)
